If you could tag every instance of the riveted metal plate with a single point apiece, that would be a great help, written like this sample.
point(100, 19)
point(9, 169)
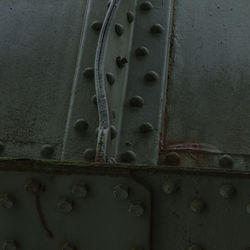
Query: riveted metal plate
point(38, 50)
point(147, 81)
point(82, 210)
point(208, 91)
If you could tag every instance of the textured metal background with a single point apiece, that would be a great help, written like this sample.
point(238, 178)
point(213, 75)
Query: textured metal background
point(183, 208)
point(208, 91)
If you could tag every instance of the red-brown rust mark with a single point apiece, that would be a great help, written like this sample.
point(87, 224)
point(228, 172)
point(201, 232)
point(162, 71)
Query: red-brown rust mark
point(193, 146)
point(41, 216)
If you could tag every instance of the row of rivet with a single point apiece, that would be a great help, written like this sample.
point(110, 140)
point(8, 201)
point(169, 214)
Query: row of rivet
point(79, 190)
point(150, 77)
point(173, 158)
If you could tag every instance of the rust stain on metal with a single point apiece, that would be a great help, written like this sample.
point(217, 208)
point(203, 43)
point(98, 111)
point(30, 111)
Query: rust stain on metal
point(193, 146)
point(41, 216)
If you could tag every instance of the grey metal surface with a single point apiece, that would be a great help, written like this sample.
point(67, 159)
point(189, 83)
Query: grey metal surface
point(38, 49)
point(145, 145)
point(191, 208)
point(85, 211)
point(208, 91)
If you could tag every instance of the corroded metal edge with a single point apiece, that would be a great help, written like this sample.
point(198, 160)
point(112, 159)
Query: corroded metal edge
point(68, 168)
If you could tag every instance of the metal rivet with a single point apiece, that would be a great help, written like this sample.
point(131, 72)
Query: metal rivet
point(121, 61)
point(172, 158)
point(47, 150)
point(79, 190)
point(113, 132)
point(136, 101)
point(130, 16)
point(96, 25)
point(88, 72)
point(89, 154)
point(147, 5)
point(157, 28)
point(110, 78)
point(136, 209)
point(119, 29)
point(128, 156)
point(226, 161)
point(151, 76)
point(146, 128)
point(7, 201)
point(142, 51)
point(65, 205)
point(67, 246)
point(194, 247)
point(227, 191)
point(32, 186)
point(1, 147)
point(10, 245)
point(94, 99)
point(169, 187)
point(81, 125)
point(248, 208)
point(197, 205)
point(120, 192)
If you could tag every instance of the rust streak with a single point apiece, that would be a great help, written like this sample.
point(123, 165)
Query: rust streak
point(42, 218)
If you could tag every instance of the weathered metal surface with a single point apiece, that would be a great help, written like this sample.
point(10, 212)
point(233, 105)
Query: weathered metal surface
point(208, 90)
point(146, 84)
point(51, 210)
point(38, 49)
point(190, 207)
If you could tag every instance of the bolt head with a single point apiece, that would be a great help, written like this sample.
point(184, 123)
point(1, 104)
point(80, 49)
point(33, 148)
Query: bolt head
point(110, 78)
point(128, 156)
point(47, 150)
point(65, 205)
point(157, 29)
point(146, 128)
point(141, 51)
point(89, 154)
point(32, 186)
point(121, 61)
point(136, 209)
point(130, 16)
point(7, 201)
point(119, 29)
point(227, 191)
point(151, 76)
point(146, 5)
point(88, 72)
point(136, 102)
point(226, 161)
point(79, 190)
point(172, 159)
point(197, 205)
point(67, 246)
point(169, 187)
point(10, 245)
point(120, 192)
point(81, 125)
point(96, 25)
